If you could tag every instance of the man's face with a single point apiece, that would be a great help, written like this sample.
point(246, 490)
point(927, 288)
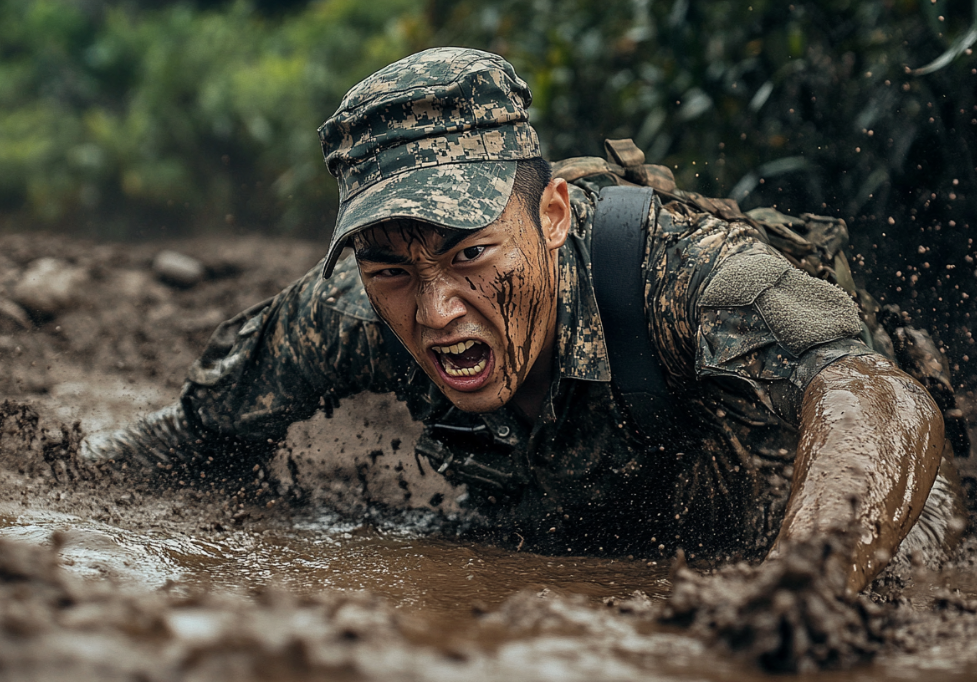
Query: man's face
point(475, 309)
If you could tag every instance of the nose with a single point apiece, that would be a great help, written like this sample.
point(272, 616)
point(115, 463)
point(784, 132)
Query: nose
point(438, 304)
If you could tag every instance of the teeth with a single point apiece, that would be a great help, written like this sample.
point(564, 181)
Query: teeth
point(459, 347)
point(464, 371)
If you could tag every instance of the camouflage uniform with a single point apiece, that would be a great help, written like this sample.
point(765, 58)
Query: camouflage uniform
point(578, 479)
point(739, 330)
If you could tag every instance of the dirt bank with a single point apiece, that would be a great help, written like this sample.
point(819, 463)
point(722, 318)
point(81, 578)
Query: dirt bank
point(107, 579)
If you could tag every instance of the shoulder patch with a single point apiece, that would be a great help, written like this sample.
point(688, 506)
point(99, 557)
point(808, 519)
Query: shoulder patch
point(742, 278)
point(803, 311)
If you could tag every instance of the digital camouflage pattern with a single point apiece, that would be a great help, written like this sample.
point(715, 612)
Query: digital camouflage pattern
point(735, 305)
point(578, 479)
point(433, 137)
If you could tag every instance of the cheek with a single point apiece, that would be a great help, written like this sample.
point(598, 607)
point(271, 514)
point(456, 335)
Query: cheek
point(519, 290)
point(393, 307)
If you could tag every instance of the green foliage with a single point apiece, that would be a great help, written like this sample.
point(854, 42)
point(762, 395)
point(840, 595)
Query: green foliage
point(179, 116)
point(758, 90)
point(119, 119)
point(123, 115)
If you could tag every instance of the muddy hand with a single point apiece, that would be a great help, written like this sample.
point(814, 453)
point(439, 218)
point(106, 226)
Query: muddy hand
point(792, 615)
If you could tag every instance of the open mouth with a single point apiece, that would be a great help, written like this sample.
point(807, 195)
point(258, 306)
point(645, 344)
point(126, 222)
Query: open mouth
point(464, 364)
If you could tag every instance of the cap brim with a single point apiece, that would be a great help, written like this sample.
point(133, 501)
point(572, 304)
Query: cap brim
point(461, 196)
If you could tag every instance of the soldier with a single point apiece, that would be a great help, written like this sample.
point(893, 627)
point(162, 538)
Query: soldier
point(778, 422)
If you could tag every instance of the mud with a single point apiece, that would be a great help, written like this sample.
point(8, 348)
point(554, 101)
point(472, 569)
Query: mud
point(102, 578)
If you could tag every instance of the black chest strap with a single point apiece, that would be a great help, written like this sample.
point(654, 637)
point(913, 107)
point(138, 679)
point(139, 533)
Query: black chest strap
point(620, 232)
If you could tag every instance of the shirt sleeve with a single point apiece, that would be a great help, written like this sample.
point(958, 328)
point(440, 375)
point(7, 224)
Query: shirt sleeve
point(727, 306)
point(278, 362)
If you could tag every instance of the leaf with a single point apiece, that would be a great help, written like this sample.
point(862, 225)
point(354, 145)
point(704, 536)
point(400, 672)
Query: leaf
point(761, 96)
point(770, 169)
point(956, 49)
point(694, 104)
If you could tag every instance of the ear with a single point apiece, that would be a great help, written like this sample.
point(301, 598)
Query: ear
point(555, 213)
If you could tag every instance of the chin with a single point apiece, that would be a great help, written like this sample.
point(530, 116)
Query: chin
point(475, 401)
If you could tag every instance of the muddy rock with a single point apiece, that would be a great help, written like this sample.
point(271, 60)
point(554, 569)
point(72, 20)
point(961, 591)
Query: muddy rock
point(49, 286)
point(178, 269)
point(29, 446)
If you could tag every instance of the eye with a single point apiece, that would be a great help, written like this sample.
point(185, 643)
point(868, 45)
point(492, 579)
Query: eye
point(469, 254)
point(387, 273)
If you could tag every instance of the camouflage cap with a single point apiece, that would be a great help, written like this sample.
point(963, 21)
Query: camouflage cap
point(433, 137)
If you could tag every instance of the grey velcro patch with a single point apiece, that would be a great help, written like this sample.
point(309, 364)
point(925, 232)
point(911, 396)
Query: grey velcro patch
point(803, 311)
point(742, 278)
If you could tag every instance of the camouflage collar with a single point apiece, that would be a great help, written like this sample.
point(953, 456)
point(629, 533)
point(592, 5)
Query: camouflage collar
point(580, 335)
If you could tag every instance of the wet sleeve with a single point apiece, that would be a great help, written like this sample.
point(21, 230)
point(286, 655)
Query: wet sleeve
point(773, 326)
point(278, 362)
point(725, 306)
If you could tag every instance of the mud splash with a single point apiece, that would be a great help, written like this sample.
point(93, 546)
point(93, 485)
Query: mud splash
point(107, 579)
point(112, 585)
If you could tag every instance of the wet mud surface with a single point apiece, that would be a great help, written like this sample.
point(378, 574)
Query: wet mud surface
point(102, 578)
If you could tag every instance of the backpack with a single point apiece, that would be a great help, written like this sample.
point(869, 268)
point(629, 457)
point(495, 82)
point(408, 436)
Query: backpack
point(812, 243)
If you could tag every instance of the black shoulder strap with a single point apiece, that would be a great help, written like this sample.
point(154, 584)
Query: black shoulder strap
point(617, 252)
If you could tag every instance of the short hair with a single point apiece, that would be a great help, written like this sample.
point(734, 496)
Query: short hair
point(532, 177)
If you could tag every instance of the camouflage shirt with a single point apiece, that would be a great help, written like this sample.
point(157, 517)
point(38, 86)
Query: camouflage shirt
point(738, 333)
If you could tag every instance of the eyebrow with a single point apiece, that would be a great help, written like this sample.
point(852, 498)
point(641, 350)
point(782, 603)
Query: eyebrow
point(453, 239)
point(378, 254)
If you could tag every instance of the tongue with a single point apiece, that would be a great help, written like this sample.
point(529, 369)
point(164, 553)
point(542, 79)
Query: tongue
point(470, 357)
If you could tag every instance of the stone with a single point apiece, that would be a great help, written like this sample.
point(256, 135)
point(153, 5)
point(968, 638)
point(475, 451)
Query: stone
point(49, 286)
point(178, 269)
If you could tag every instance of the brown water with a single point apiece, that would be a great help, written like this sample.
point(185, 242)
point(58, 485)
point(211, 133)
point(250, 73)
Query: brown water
point(438, 585)
point(417, 573)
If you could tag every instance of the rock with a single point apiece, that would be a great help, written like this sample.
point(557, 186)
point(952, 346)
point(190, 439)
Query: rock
point(12, 311)
point(50, 285)
point(178, 269)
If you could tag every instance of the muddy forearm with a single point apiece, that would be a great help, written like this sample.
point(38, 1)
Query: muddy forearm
point(870, 444)
point(166, 448)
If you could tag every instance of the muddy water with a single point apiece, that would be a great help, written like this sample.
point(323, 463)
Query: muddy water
point(421, 574)
point(439, 586)
point(313, 552)
point(434, 587)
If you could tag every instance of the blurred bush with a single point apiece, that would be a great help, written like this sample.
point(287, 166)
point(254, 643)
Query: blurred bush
point(118, 119)
point(866, 110)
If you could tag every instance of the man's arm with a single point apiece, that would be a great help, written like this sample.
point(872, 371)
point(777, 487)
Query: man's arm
point(276, 363)
point(871, 440)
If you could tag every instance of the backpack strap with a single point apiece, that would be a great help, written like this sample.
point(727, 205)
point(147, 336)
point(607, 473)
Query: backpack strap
point(617, 252)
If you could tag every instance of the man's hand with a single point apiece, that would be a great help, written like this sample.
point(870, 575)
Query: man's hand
point(871, 440)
